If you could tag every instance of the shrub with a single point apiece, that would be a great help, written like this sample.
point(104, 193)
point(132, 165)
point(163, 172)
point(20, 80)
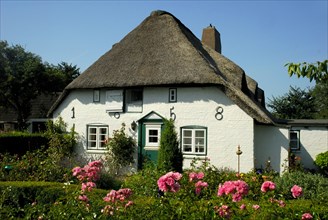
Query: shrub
point(21, 142)
point(321, 160)
point(315, 186)
point(44, 164)
point(143, 183)
point(30, 200)
point(169, 155)
point(120, 151)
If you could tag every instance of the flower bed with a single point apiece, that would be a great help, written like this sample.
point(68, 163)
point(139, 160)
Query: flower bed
point(199, 193)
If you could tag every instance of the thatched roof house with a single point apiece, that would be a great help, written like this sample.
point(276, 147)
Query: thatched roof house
point(161, 51)
point(162, 70)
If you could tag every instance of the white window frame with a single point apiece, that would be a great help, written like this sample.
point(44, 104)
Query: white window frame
point(294, 142)
point(173, 95)
point(152, 145)
point(98, 140)
point(193, 143)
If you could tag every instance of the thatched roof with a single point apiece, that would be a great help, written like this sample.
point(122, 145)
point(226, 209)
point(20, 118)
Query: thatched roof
point(162, 51)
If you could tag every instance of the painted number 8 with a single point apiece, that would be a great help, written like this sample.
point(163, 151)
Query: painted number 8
point(218, 114)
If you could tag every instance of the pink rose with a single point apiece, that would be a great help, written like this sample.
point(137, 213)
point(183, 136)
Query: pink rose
point(267, 185)
point(296, 191)
point(83, 198)
point(255, 207)
point(307, 216)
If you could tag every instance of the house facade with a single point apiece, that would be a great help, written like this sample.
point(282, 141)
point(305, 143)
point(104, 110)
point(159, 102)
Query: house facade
point(160, 70)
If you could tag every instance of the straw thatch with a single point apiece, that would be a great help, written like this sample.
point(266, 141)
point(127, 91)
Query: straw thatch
point(162, 51)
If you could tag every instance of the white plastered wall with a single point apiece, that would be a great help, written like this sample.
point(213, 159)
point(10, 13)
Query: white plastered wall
point(271, 144)
point(195, 106)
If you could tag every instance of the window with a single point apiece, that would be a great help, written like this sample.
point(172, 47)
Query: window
point(194, 140)
point(97, 136)
point(96, 95)
point(133, 100)
point(153, 135)
point(294, 140)
point(173, 95)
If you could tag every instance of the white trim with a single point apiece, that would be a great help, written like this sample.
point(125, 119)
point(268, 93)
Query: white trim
point(154, 127)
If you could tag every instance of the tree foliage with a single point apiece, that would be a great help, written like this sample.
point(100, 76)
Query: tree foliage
point(23, 76)
point(296, 104)
point(169, 155)
point(320, 93)
point(314, 71)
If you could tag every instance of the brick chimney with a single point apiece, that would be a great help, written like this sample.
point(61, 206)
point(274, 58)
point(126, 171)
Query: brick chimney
point(211, 38)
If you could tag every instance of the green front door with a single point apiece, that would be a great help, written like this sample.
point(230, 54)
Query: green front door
point(149, 135)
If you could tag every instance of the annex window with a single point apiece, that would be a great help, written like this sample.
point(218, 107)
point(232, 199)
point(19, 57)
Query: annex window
point(193, 140)
point(153, 135)
point(294, 140)
point(133, 100)
point(172, 95)
point(97, 136)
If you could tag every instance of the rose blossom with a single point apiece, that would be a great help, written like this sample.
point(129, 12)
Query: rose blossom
point(168, 182)
point(296, 191)
point(267, 185)
point(307, 216)
point(237, 188)
point(256, 207)
point(199, 185)
point(83, 198)
point(223, 211)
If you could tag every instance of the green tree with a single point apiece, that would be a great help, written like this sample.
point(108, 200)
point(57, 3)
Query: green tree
point(60, 76)
point(296, 104)
point(20, 77)
point(317, 71)
point(320, 93)
point(169, 155)
point(23, 77)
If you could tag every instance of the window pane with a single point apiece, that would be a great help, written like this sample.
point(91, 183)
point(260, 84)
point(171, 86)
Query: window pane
point(92, 130)
point(102, 144)
point(187, 133)
point(187, 141)
point(153, 132)
point(92, 144)
point(199, 141)
point(92, 137)
point(153, 139)
point(199, 133)
point(102, 137)
point(103, 130)
point(293, 136)
point(186, 148)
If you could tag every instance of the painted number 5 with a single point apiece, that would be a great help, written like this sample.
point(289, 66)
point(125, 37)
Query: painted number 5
point(219, 113)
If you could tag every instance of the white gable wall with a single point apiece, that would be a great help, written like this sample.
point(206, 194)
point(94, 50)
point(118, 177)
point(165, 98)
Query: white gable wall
point(194, 106)
point(271, 144)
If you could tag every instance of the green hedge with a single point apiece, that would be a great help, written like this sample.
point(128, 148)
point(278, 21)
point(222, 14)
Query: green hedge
point(21, 142)
point(22, 200)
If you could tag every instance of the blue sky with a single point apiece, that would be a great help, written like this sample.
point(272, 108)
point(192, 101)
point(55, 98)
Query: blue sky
point(260, 36)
